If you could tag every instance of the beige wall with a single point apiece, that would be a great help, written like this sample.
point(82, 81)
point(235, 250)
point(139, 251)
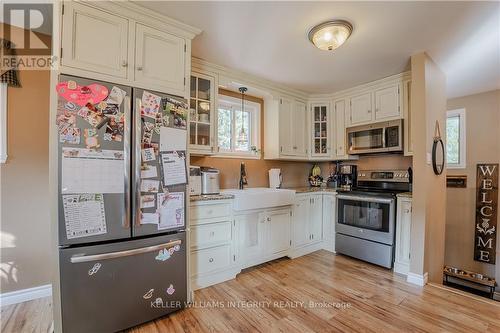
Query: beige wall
point(483, 146)
point(24, 200)
point(429, 191)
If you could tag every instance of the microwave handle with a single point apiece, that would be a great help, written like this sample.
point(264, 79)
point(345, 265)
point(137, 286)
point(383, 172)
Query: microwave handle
point(384, 133)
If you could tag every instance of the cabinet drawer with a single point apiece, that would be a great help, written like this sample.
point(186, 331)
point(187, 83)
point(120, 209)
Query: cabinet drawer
point(208, 234)
point(210, 211)
point(209, 260)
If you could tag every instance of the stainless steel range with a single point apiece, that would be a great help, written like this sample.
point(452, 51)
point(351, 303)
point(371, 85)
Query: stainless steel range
point(366, 216)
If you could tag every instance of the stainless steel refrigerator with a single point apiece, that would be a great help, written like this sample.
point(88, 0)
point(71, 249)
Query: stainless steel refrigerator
point(122, 205)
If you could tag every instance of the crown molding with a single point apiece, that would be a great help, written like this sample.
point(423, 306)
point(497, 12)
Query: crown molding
point(362, 87)
point(137, 12)
point(198, 64)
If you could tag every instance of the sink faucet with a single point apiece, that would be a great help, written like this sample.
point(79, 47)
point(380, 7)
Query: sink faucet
point(243, 176)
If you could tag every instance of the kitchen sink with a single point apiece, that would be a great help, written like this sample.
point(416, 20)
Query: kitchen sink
point(260, 197)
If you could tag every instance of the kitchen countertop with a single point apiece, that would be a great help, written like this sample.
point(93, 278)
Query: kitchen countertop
point(405, 194)
point(210, 197)
point(309, 189)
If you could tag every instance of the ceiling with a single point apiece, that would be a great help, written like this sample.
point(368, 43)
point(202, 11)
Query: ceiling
point(269, 39)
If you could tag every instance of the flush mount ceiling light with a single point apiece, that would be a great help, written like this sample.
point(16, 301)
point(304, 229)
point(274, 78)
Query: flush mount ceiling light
point(330, 35)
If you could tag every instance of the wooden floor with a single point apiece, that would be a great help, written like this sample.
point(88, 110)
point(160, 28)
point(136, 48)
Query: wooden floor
point(320, 292)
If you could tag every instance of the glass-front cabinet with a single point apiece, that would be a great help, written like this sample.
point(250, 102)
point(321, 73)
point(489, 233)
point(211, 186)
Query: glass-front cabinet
point(320, 130)
point(201, 116)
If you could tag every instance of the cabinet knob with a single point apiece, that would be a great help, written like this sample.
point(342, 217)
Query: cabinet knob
point(139, 68)
point(124, 63)
point(211, 260)
point(268, 219)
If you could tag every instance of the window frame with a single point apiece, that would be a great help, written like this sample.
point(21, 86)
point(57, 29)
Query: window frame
point(462, 139)
point(254, 109)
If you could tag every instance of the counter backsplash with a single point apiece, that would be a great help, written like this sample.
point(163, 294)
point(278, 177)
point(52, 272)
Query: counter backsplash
point(294, 173)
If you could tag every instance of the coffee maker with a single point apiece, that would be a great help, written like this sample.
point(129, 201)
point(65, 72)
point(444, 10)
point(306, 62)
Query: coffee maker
point(347, 176)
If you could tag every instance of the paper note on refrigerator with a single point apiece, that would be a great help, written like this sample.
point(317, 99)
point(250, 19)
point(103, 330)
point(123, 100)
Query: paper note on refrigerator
point(172, 139)
point(150, 185)
point(150, 218)
point(171, 210)
point(91, 171)
point(84, 215)
point(174, 168)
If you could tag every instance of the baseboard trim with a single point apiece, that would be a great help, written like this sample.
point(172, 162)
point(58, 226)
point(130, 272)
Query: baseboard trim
point(417, 279)
point(299, 252)
point(24, 295)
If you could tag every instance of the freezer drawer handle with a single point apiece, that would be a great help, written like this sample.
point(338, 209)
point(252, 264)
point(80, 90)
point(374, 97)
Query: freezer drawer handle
point(83, 258)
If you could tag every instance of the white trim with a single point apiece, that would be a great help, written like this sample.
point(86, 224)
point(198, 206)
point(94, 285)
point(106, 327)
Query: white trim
point(228, 75)
point(462, 140)
point(417, 279)
point(24, 295)
point(3, 122)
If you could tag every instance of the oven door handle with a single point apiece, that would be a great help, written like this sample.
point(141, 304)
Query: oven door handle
point(365, 199)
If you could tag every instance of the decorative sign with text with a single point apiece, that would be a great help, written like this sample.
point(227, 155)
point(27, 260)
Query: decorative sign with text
point(486, 213)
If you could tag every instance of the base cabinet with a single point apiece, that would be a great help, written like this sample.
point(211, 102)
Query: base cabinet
point(329, 216)
point(212, 233)
point(307, 219)
point(262, 236)
point(403, 235)
point(223, 241)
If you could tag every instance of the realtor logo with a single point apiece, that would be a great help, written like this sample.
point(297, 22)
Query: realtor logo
point(26, 36)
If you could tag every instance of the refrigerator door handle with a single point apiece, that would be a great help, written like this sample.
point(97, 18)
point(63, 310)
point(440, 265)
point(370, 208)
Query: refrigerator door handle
point(136, 148)
point(127, 114)
point(119, 254)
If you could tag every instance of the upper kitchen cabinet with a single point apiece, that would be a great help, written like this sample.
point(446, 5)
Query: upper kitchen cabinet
point(286, 124)
point(95, 40)
point(339, 108)
point(159, 59)
point(292, 128)
point(387, 103)
point(201, 116)
point(320, 130)
point(299, 129)
point(126, 44)
point(360, 109)
point(376, 101)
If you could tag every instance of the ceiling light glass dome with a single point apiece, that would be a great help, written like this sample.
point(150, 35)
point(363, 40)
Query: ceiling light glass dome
point(330, 35)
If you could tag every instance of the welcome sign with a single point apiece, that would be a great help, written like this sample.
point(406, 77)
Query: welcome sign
point(486, 213)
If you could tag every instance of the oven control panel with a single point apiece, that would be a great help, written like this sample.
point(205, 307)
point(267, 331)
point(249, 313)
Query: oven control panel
point(400, 176)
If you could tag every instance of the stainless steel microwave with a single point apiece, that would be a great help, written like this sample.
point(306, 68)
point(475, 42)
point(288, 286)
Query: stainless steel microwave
point(381, 137)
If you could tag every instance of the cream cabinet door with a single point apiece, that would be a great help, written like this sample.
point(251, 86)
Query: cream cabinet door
point(300, 221)
point(94, 40)
point(321, 137)
point(360, 109)
point(278, 231)
point(285, 127)
point(403, 236)
point(160, 60)
point(251, 240)
point(299, 134)
point(316, 217)
point(387, 103)
point(339, 125)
